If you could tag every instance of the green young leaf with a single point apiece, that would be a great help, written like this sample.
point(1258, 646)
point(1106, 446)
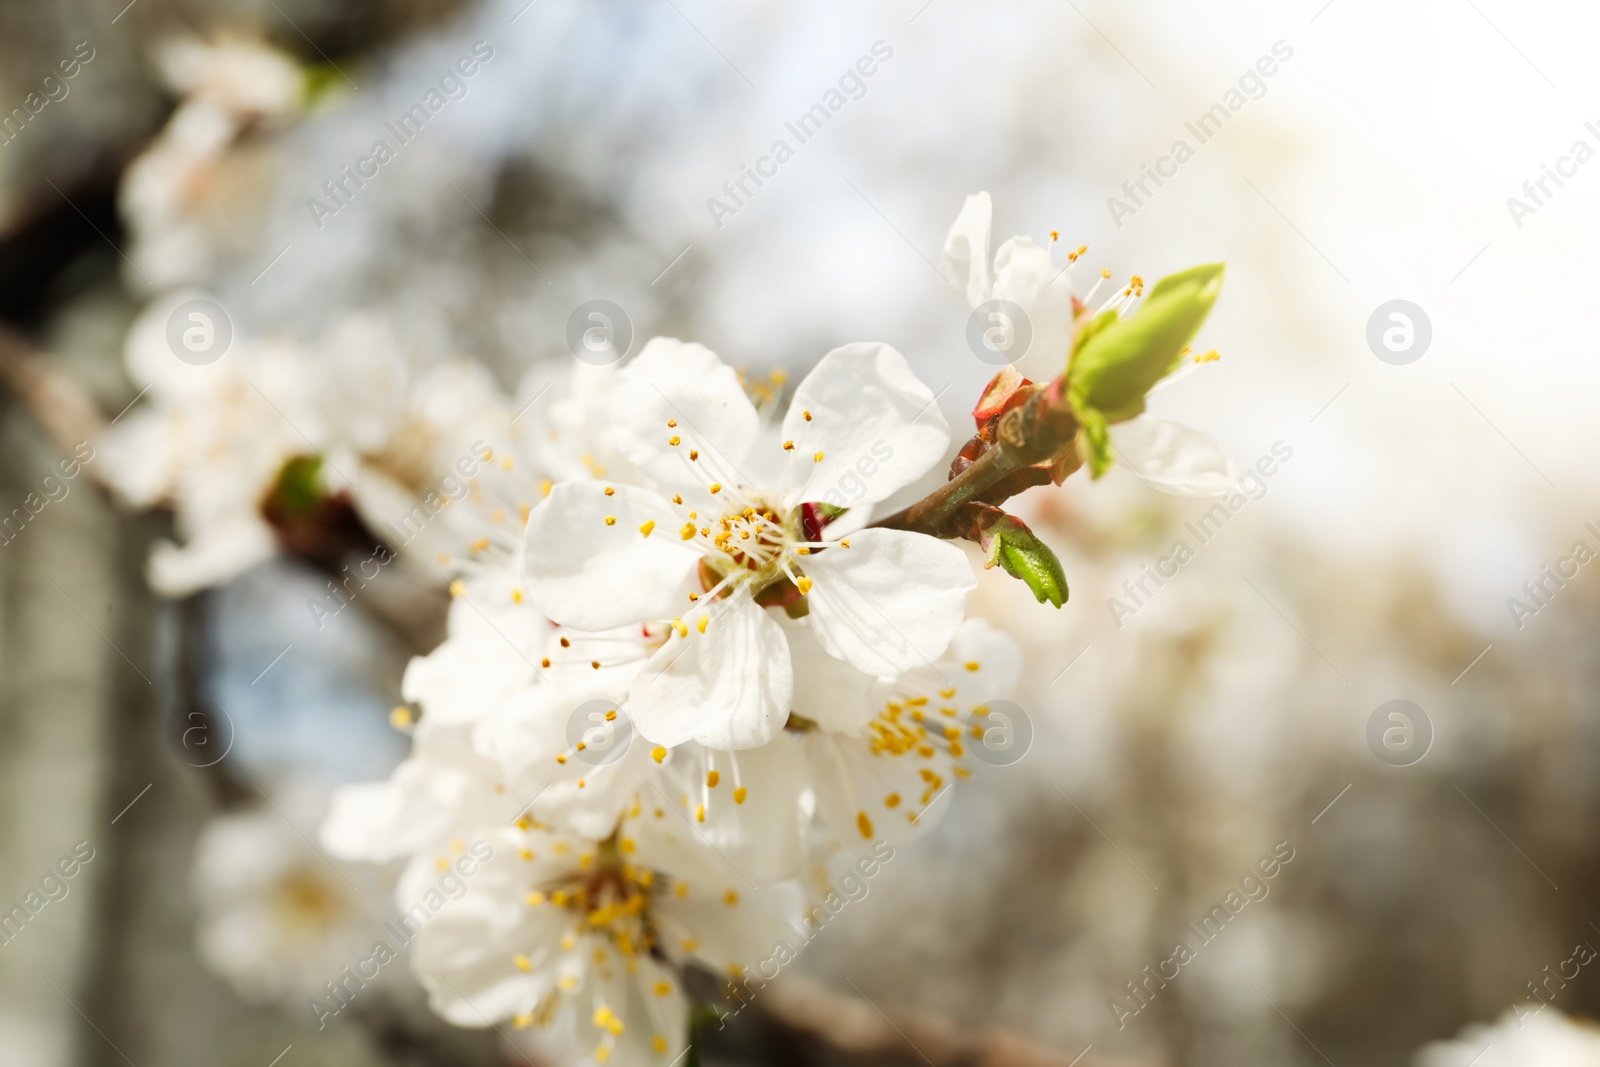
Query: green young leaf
point(1017, 549)
point(1119, 361)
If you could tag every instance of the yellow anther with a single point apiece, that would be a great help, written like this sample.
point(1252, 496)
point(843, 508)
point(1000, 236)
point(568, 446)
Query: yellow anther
point(699, 813)
point(671, 423)
point(817, 458)
point(693, 454)
point(731, 897)
point(674, 440)
point(611, 520)
point(712, 778)
point(739, 794)
point(864, 824)
point(479, 545)
point(892, 800)
point(400, 717)
point(677, 499)
point(658, 753)
point(687, 532)
point(806, 415)
point(716, 487)
point(702, 623)
point(649, 526)
point(680, 626)
point(534, 899)
point(803, 584)
point(681, 890)
point(523, 963)
point(972, 665)
point(458, 588)
point(610, 491)
point(658, 1042)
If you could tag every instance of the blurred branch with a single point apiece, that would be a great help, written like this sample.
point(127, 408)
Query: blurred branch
point(55, 401)
point(857, 1029)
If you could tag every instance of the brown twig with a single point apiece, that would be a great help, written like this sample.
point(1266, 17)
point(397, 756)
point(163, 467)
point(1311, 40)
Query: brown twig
point(59, 404)
point(1041, 430)
point(860, 1031)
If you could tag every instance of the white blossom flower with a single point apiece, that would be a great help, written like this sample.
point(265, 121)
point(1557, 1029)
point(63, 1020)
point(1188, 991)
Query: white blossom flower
point(196, 191)
point(1170, 457)
point(580, 940)
point(277, 919)
point(712, 539)
point(882, 751)
point(211, 442)
point(1022, 273)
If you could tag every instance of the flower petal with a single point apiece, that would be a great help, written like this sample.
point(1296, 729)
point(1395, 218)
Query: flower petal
point(865, 795)
point(726, 688)
point(1174, 458)
point(595, 575)
point(889, 602)
point(876, 425)
point(671, 381)
point(965, 260)
point(1025, 275)
point(827, 690)
point(754, 814)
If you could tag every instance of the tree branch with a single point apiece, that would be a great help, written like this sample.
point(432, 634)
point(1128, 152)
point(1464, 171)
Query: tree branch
point(1040, 430)
point(859, 1031)
point(57, 402)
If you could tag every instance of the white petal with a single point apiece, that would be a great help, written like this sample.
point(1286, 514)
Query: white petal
point(764, 832)
point(889, 602)
point(864, 795)
point(965, 261)
point(490, 652)
point(686, 383)
point(877, 426)
point(1025, 275)
point(366, 822)
point(215, 554)
point(140, 458)
point(1174, 458)
point(726, 688)
point(594, 576)
point(827, 690)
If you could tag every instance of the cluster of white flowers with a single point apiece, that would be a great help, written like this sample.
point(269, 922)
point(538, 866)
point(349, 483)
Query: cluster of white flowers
point(683, 682)
point(676, 692)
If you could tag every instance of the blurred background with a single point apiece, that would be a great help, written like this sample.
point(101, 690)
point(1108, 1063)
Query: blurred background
point(1417, 540)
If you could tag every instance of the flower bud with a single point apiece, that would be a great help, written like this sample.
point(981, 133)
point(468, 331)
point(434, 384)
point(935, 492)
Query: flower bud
point(1117, 360)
